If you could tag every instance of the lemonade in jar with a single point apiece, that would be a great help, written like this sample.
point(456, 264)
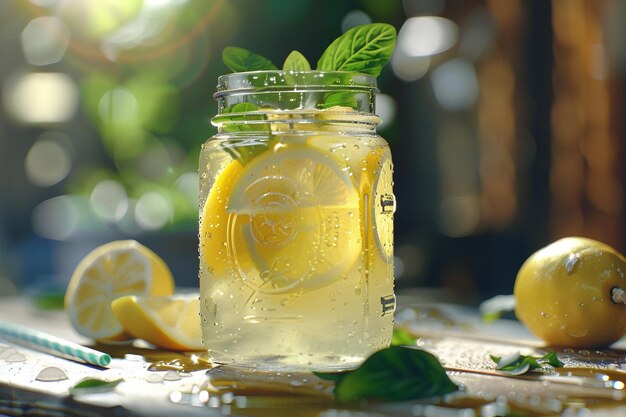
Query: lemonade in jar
point(296, 222)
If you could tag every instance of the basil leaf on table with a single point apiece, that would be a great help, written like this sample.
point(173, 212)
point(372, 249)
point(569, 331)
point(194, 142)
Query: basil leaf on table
point(295, 61)
point(393, 374)
point(91, 385)
point(240, 60)
point(553, 360)
point(365, 48)
point(518, 364)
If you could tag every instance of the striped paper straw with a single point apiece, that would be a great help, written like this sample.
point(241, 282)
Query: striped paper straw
point(41, 339)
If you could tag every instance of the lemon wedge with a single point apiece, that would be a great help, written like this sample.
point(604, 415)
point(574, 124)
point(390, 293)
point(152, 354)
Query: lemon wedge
point(110, 271)
point(284, 222)
point(170, 322)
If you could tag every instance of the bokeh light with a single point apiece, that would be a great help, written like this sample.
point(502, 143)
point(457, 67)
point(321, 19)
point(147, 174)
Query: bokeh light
point(153, 211)
point(109, 201)
point(41, 97)
point(354, 18)
point(93, 19)
point(48, 161)
point(188, 184)
point(409, 68)
point(455, 85)
point(426, 36)
point(144, 29)
point(118, 106)
point(386, 109)
point(44, 40)
point(57, 218)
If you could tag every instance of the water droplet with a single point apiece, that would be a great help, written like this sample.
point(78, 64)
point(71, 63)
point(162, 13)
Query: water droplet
point(171, 376)
point(51, 374)
point(6, 352)
point(154, 378)
point(16, 357)
point(227, 397)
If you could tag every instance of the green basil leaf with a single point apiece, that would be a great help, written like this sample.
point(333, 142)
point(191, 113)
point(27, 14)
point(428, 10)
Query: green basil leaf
point(244, 149)
point(401, 337)
point(240, 108)
point(331, 376)
point(517, 369)
point(343, 99)
point(525, 364)
point(395, 374)
point(364, 48)
point(525, 361)
point(296, 62)
point(243, 108)
point(553, 360)
point(91, 385)
point(240, 59)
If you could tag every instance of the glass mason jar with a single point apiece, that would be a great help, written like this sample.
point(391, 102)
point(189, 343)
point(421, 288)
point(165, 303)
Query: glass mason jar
point(296, 222)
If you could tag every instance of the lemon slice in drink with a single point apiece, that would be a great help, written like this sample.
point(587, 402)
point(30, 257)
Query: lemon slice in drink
point(214, 250)
point(383, 206)
point(171, 322)
point(110, 271)
point(292, 220)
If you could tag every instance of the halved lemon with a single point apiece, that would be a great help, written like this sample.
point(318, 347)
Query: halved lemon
point(292, 220)
point(110, 271)
point(170, 322)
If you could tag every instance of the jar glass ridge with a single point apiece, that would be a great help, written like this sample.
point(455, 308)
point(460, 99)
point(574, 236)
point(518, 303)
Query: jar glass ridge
point(296, 222)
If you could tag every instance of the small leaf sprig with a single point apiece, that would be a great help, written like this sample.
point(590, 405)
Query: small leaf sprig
point(518, 364)
point(364, 48)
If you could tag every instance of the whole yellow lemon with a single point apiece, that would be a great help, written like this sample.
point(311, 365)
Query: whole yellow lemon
point(571, 293)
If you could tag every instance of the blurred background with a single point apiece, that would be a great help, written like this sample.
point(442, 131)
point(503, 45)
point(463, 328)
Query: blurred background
point(505, 119)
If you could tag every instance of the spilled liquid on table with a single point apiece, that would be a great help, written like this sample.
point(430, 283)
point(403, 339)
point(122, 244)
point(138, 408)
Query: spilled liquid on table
point(591, 380)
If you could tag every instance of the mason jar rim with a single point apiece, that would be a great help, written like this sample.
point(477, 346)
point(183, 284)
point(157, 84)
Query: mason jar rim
point(288, 80)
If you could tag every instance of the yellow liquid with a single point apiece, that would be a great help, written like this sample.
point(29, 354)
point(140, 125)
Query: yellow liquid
point(296, 250)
